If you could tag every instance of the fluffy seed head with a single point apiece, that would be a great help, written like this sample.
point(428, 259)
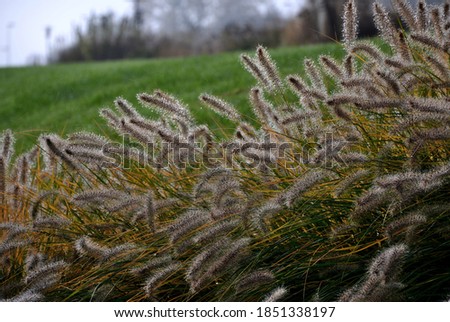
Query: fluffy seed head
point(421, 17)
point(369, 49)
point(116, 251)
point(165, 103)
point(162, 274)
point(86, 246)
point(2, 180)
point(7, 246)
point(87, 156)
point(88, 140)
point(53, 222)
point(387, 264)
point(6, 145)
point(200, 261)
point(219, 229)
point(34, 261)
point(152, 264)
point(350, 181)
point(218, 172)
point(219, 265)
point(262, 108)
point(44, 271)
point(125, 108)
point(371, 200)
point(383, 23)
point(188, 222)
point(437, 18)
point(223, 187)
point(276, 295)
point(220, 106)
point(349, 65)
point(332, 67)
point(254, 280)
point(254, 68)
point(402, 47)
point(302, 185)
point(14, 230)
point(314, 74)
point(261, 214)
point(111, 117)
point(299, 117)
point(404, 222)
point(150, 211)
point(53, 146)
point(406, 13)
point(34, 212)
point(98, 197)
point(27, 296)
point(427, 41)
point(269, 67)
point(350, 26)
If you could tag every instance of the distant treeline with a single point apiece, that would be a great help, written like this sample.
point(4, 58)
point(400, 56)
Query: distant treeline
point(191, 27)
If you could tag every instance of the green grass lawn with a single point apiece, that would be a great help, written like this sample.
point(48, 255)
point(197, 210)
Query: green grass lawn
point(66, 98)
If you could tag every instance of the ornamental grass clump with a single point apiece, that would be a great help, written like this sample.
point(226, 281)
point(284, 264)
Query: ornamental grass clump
point(338, 191)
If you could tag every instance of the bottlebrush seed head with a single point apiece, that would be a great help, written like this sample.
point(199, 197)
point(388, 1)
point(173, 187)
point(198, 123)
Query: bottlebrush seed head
point(276, 295)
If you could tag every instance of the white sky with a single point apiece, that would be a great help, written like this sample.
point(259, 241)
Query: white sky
point(29, 19)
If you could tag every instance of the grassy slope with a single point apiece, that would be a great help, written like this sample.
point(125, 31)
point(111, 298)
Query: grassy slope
point(66, 98)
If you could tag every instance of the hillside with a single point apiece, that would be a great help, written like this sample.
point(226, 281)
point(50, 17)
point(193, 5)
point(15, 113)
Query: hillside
point(66, 98)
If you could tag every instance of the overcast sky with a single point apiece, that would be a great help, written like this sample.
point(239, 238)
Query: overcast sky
point(25, 21)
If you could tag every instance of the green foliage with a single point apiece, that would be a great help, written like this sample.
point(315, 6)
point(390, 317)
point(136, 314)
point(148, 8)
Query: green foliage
point(105, 37)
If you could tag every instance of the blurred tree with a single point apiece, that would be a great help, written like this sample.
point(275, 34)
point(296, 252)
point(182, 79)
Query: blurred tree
point(247, 25)
point(48, 44)
point(175, 28)
point(172, 17)
point(138, 12)
point(204, 26)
